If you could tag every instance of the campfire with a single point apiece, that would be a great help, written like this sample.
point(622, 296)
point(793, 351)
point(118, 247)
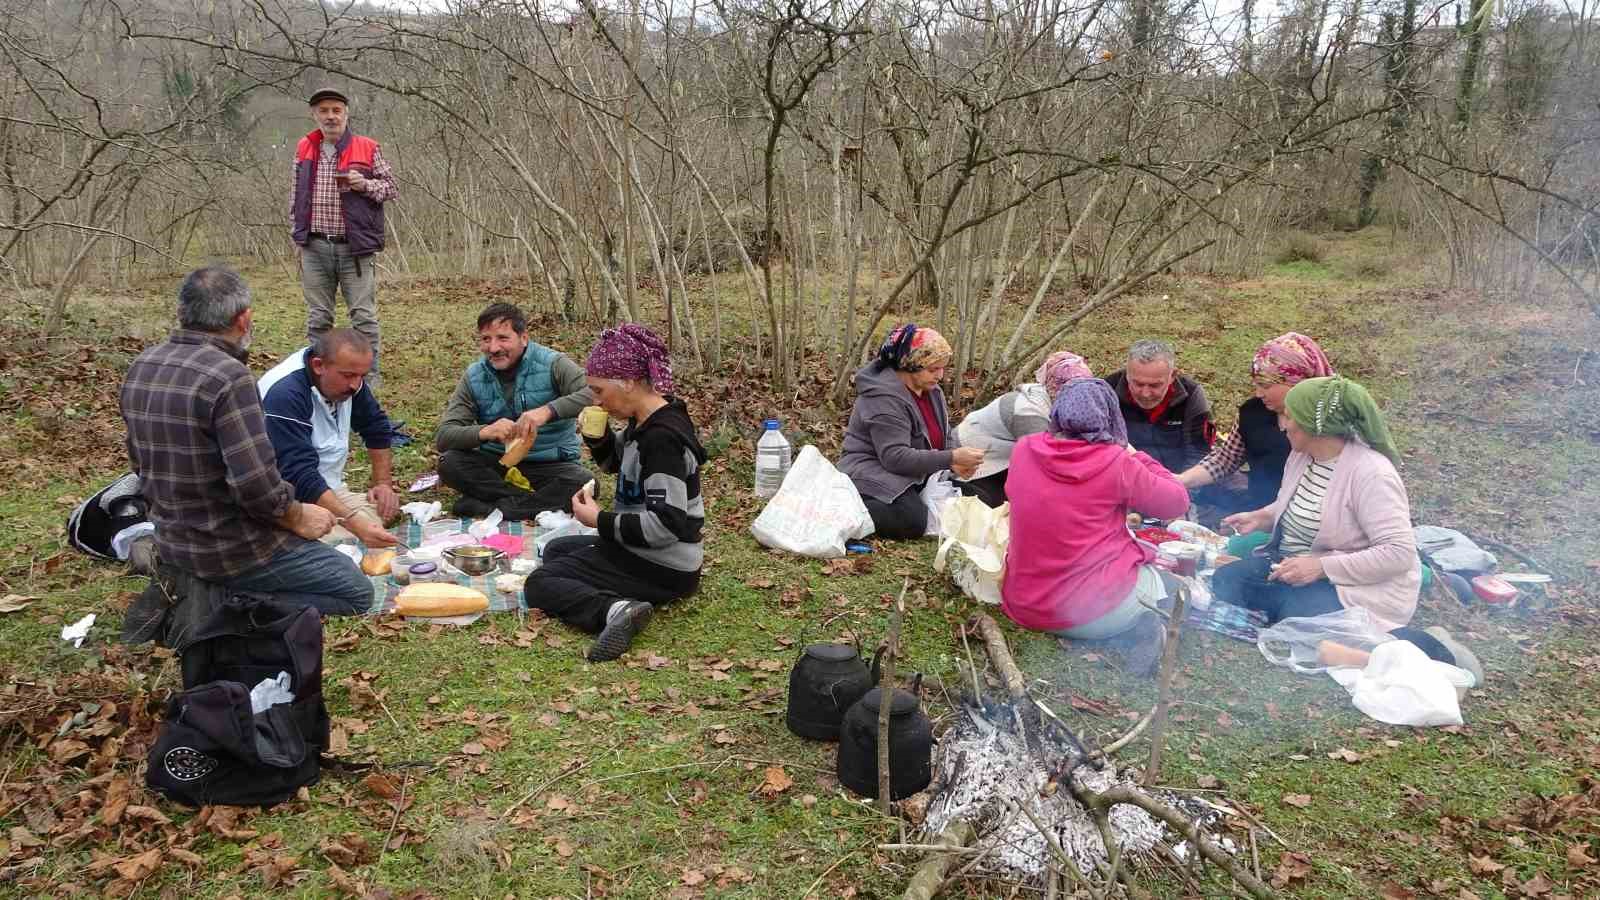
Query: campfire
point(986, 775)
point(1018, 794)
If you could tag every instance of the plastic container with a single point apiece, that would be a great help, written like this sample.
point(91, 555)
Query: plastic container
point(772, 459)
point(1494, 589)
point(439, 528)
point(1185, 554)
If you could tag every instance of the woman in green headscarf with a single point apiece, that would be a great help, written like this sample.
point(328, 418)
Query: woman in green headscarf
point(1341, 524)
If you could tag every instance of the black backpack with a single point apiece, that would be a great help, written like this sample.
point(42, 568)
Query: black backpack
point(213, 749)
point(100, 518)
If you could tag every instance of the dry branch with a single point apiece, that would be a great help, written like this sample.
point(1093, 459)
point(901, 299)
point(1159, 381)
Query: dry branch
point(1169, 665)
point(929, 876)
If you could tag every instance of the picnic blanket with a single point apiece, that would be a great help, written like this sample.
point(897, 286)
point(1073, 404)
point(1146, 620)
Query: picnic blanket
point(384, 588)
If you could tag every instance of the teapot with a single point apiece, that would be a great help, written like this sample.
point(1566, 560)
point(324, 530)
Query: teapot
point(827, 680)
point(910, 743)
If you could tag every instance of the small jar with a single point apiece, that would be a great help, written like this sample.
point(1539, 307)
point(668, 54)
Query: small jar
point(422, 572)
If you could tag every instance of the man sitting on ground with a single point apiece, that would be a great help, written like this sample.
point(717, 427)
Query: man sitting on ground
point(518, 389)
point(312, 400)
point(1167, 414)
point(198, 442)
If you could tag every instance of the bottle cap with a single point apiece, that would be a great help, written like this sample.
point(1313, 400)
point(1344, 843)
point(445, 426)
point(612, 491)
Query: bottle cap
point(770, 425)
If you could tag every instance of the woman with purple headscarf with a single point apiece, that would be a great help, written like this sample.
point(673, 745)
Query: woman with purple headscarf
point(648, 551)
point(1072, 567)
point(996, 428)
point(1279, 365)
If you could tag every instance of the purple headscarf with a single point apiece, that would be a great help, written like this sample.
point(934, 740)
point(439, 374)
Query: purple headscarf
point(631, 351)
point(1086, 409)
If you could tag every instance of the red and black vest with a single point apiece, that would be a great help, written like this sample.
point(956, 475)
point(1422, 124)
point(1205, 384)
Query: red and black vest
point(363, 217)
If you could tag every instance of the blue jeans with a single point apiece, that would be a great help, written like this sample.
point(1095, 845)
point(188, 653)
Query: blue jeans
point(310, 573)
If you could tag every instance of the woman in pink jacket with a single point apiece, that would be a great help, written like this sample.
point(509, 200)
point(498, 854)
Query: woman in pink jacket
point(1072, 567)
point(1341, 525)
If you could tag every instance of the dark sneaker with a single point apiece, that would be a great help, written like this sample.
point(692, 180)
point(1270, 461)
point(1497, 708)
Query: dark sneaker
point(471, 508)
point(1141, 646)
point(617, 636)
point(1465, 658)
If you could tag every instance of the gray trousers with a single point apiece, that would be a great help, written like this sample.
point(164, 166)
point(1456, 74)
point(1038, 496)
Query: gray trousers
point(327, 268)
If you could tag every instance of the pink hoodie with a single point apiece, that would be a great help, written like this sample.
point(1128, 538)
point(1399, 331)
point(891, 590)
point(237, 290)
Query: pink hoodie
point(1071, 558)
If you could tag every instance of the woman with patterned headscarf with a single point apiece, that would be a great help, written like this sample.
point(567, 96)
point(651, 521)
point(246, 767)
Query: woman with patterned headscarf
point(1340, 526)
point(1072, 566)
point(996, 428)
point(1279, 365)
point(899, 432)
point(648, 551)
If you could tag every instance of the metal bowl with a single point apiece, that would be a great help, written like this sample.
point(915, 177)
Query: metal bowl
point(474, 559)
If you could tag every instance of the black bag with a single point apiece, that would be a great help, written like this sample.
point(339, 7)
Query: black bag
point(100, 518)
point(214, 750)
point(250, 637)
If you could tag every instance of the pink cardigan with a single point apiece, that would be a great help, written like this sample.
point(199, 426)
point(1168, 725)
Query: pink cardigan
point(1365, 541)
point(1071, 559)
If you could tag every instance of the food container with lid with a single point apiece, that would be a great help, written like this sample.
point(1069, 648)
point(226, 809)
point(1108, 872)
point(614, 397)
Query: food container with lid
point(1494, 589)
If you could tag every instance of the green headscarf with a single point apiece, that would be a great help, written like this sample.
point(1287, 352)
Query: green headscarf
point(1336, 407)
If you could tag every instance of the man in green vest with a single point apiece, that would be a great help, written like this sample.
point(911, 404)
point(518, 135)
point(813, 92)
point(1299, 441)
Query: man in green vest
point(518, 389)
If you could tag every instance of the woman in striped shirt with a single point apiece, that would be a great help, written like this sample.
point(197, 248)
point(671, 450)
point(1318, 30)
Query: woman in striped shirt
point(1340, 526)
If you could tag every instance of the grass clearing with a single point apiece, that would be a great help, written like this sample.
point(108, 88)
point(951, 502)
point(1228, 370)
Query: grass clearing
point(651, 769)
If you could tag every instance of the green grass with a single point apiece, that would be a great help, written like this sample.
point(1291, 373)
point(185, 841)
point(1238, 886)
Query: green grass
point(650, 769)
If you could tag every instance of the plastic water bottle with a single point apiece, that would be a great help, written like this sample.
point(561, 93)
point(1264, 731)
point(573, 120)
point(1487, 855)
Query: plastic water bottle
point(772, 459)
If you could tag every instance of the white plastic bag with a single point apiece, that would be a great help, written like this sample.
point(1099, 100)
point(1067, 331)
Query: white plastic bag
point(937, 492)
point(815, 511)
point(270, 692)
point(1401, 685)
point(552, 524)
point(1293, 642)
point(979, 537)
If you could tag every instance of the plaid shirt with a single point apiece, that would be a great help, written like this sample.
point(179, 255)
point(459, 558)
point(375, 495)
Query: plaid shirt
point(198, 441)
point(1227, 457)
point(327, 213)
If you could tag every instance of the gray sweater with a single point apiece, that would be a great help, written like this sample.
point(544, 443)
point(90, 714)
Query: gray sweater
point(886, 447)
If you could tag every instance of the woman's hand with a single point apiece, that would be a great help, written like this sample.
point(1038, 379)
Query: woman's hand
point(1298, 571)
point(964, 461)
point(585, 509)
point(1246, 522)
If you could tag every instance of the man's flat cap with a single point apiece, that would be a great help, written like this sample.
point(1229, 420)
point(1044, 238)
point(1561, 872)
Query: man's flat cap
point(328, 94)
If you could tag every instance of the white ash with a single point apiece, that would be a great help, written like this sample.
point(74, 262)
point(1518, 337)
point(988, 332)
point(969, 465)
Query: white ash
point(996, 774)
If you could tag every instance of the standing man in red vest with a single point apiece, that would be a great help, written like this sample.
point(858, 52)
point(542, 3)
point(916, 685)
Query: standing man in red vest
point(341, 182)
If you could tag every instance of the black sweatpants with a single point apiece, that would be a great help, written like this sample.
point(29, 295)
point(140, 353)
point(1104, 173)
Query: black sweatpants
point(906, 517)
point(991, 489)
point(578, 581)
point(1244, 583)
point(477, 474)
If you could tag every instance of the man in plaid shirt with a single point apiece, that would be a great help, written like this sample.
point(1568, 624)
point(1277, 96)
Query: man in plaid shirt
point(198, 442)
point(341, 182)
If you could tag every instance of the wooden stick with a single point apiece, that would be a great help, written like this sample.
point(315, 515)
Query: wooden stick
point(929, 876)
point(994, 640)
point(886, 694)
point(1067, 864)
point(1131, 736)
point(569, 770)
point(1169, 665)
point(1132, 796)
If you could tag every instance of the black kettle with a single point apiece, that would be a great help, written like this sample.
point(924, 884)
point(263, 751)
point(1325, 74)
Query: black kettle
point(827, 680)
point(910, 744)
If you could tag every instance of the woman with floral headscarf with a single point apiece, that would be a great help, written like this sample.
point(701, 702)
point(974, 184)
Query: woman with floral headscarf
point(1340, 526)
point(1279, 365)
point(648, 551)
point(899, 432)
point(996, 428)
point(1072, 566)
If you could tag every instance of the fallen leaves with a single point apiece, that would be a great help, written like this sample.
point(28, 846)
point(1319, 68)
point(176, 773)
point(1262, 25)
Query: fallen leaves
point(1299, 801)
point(1483, 865)
point(1292, 867)
point(381, 785)
point(11, 603)
point(775, 782)
point(1345, 754)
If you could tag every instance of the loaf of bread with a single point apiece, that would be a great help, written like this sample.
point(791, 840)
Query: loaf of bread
point(436, 599)
point(377, 562)
point(516, 450)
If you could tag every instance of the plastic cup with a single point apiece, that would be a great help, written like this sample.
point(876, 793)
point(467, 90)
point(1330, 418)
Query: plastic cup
point(342, 179)
point(592, 421)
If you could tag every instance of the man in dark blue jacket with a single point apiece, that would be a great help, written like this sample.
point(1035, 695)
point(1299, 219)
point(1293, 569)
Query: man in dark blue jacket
point(313, 400)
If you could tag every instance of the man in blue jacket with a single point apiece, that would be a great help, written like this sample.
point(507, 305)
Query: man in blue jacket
point(517, 389)
point(313, 400)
